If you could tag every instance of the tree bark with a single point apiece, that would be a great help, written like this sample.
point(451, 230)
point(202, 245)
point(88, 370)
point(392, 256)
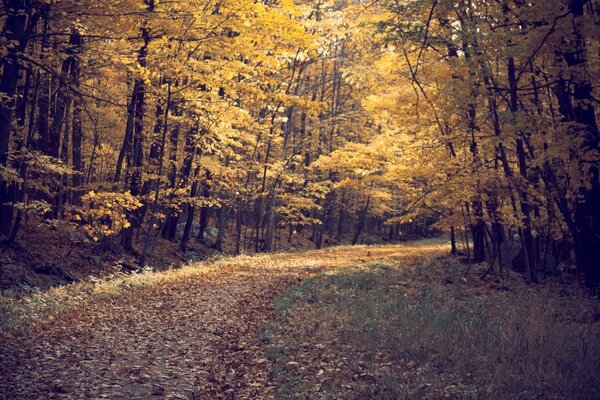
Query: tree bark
point(586, 229)
point(222, 226)
point(137, 143)
point(361, 221)
point(14, 30)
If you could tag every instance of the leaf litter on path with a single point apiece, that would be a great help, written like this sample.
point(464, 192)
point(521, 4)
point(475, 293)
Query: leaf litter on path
point(191, 336)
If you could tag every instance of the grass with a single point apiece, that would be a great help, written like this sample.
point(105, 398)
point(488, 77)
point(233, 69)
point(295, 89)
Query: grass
point(389, 331)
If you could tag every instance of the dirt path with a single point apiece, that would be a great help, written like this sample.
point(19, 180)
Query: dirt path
point(196, 336)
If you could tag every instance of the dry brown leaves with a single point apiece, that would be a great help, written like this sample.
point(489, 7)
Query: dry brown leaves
point(196, 336)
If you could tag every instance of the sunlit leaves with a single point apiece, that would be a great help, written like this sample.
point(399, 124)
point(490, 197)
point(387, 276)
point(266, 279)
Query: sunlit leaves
point(105, 214)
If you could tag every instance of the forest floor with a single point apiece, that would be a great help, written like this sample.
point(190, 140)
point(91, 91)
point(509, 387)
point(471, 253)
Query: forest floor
point(358, 322)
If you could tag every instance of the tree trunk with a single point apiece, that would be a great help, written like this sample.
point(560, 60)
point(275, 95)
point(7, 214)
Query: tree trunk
point(586, 232)
point(137, 143)
point(77, 136)
point(453, 250)
point(222, 226)
point(238, 232)
point(127, 139)
point(189, 223)
point(361, 221)
point(14, 29)
point(270, 228)
point(63, 103)
point(204, 211)
point(528, 239)
point(478, 233)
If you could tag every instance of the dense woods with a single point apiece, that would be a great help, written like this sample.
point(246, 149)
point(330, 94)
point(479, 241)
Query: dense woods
point(251, 199)
point(255, 122)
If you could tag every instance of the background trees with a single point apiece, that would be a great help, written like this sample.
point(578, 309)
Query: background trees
point(147, 118)
point(499, 86)
point(255, 122)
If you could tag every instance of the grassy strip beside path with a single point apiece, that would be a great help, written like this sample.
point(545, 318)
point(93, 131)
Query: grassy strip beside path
point(398, 329)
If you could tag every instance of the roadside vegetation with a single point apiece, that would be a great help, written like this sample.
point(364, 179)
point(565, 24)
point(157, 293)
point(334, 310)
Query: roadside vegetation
point(401, 330)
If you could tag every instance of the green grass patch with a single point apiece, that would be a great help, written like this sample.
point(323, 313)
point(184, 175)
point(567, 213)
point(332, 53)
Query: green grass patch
point(389, 332)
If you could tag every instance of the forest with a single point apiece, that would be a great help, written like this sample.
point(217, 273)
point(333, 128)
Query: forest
point(140, 135)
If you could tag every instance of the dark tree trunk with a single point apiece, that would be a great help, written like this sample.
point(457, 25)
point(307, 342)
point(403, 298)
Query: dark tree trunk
point(136, 108)
point(63, 103)
point(43, 126)
point(14, 30)
point(453, 250)
point(586, 227)
point(173, 140)
point(22, 193)
point(527, 231)
point(21, 106)
point(42, 142)
point(77, 135)
point(125, 151)
point(238, 231)
point(270, 228)
point(361, 221)
point(184, 178)
point(478, 233)
point(136, 161)
point(222, 226)
point(189, 223)
point(187, 230)
point(204, 211)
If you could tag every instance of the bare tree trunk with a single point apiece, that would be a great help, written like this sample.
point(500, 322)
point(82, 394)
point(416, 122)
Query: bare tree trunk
point(361, 220)
point(158, 154)
point(127, 140)
point(137, 142)
point(63, 103)
point(77, 134)
point(528, 239)
point(14, 30)
point(222, 226)
point(185, 238)
point(204, 211)
point(238, 231)
point(453, 250)
point(586, 228)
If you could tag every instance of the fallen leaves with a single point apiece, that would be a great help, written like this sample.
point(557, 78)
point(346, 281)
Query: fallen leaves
point(189, 333)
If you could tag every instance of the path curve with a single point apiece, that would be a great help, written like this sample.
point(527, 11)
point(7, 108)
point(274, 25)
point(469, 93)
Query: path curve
point(194, 337)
